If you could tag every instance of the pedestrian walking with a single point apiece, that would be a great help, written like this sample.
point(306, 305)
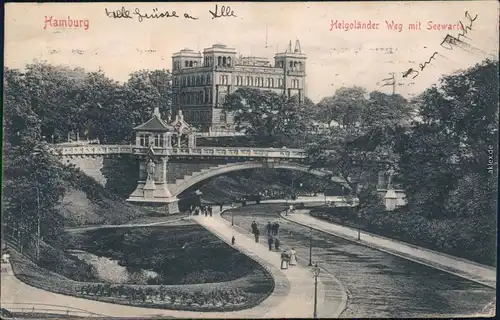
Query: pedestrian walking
point(205, 210)
point(257, 233)
point(269, 228)
point(277, 228)
point(196, 211)
point(277, 244)
point(273, 228)
point(210, 210)
point(285, 259)
point(270, 242)
point(254, 226)
point(293, 257)
point(233, 240)
point(220, 206)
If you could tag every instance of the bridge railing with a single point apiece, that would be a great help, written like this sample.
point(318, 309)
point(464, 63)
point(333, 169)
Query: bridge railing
point(196, 151)
point(41, 308)
point(229, 152)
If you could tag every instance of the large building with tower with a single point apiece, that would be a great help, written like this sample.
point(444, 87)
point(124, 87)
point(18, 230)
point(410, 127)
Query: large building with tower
point(200, 82)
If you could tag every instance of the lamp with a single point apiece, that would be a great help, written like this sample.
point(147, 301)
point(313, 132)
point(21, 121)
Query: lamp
point(316, 271)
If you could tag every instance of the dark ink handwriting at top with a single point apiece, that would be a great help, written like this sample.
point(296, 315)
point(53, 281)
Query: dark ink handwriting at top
point(118, 14)
point(187, 16)
point(224, 12)
point(422, 66)
point(154, 15)
point(450, 40)
point(410, 71)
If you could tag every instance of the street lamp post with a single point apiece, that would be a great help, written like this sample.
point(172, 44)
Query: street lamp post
point(310, 246)
point(316, 275)
point(38, 223)
point(359, 225)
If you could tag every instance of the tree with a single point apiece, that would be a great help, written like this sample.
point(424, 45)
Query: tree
point(270, 118)
point(51, 92)
point(444, 157)
point(147, 89)
point(344, 108)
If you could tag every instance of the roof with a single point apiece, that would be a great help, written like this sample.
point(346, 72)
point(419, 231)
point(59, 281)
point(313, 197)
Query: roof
point(179, 124)
point(154, 124)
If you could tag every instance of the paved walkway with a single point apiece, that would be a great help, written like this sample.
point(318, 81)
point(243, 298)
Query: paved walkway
point(460, 267)
point(292, 297)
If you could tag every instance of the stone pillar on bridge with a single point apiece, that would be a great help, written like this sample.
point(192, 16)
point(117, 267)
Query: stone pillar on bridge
point(152, 152)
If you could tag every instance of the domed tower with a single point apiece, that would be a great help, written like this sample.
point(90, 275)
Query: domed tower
point(293, 62)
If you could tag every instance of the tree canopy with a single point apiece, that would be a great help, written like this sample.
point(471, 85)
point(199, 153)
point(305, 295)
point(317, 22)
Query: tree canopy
point(270, 118)
point(446, 155)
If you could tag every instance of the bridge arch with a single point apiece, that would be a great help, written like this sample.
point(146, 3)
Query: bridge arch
point(182, 185)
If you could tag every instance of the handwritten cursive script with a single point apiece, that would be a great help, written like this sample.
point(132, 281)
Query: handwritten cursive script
point(156, 14)
point(422, 66)
point(449, 41)
point(118, 14)
point(224, 12)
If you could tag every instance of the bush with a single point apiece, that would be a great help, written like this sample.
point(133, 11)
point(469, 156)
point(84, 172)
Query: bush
point(472, 238)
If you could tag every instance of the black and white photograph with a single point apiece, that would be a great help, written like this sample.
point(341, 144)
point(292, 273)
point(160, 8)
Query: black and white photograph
point(260, 160)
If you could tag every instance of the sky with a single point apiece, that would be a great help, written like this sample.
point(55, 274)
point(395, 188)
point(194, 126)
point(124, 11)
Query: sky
point(335, 57)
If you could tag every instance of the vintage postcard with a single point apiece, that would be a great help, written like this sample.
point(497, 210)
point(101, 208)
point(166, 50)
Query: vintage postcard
point(250, 160)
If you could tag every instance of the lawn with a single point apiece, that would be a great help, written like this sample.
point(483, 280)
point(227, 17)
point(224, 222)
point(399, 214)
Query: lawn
point(196, 271)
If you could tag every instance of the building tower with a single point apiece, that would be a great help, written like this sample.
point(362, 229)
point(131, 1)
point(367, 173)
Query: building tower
point(293, 62)
point(221, 60)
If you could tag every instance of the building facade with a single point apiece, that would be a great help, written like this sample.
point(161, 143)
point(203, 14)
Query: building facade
point(200, 82)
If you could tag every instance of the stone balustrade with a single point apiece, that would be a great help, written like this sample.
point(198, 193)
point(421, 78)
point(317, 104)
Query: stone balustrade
point(96, 150)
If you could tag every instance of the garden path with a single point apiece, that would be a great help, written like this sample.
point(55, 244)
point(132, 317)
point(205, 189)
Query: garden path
point(292, 297)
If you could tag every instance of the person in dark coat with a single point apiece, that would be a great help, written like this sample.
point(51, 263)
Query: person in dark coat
point(254, 226)
point(233, 240)
point(270, 242)
point(196, 211)
point(277, 228)
point(257, 234)
point(277, 244)
point(205, 210)
point(274, 228)
point(269, 228)
point(210, 210)
point(220, 206)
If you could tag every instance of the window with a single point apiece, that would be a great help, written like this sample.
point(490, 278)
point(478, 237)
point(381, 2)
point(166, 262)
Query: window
point(224, 61)
point(190, 63)
point(142, 140)
point(224, 79)
point(209, 79)
point(228, 61)
point(219, 61)
point(222, 117)
point(186, 64)
point(157, 140)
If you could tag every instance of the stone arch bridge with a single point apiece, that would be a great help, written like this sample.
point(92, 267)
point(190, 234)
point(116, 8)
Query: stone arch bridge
point(177, 169)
